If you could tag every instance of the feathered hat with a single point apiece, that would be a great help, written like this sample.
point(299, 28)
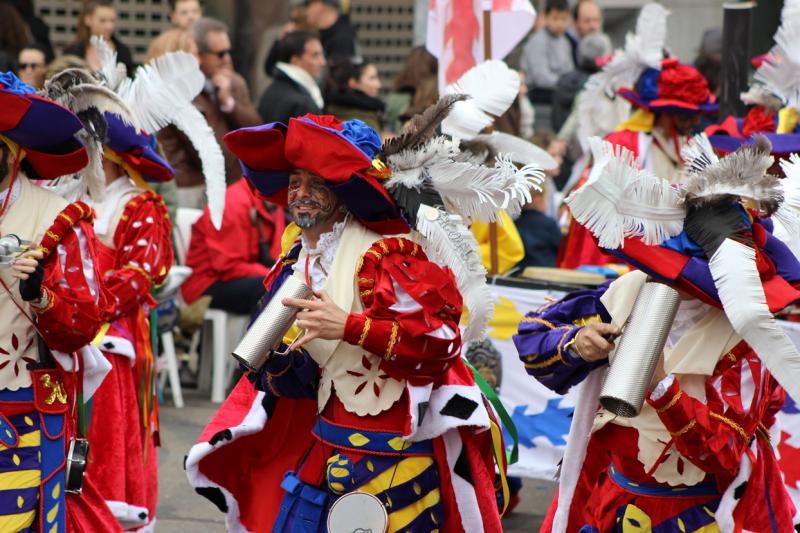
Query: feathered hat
point(674, 88)
point(416, 182)
point(710, 237)
point(774, 96)
point(39, 130)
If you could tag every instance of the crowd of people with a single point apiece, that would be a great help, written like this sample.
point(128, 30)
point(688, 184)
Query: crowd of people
point(347, 186)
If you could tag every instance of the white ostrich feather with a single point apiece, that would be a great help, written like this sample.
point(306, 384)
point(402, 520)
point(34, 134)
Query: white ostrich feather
point(478, 192)
point(492, 87)
point(742, 173)
point(621, 200)
point(520, 150)
point(448, 242)
point(699, 154)
point(787, 217)
point(408, 166)
point(741, 292)
point(780, 74)
point(113, 73)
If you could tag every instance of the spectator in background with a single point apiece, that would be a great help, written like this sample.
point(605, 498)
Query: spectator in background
point(518, 119)
point(225, 99)
point(39, 30)
point(415, 87)
point(98, 17)
point(184, 13)
point(31, 65)
point(336, 33)
point(172, 40)
point(352, 91)
point(230, 264)
point(546, 56)
point(590, 49)
point(294, 90)
point(587, 19)
point(297, 22)
point(14, 35)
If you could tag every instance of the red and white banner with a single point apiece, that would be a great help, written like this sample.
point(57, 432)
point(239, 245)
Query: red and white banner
point(456, 32)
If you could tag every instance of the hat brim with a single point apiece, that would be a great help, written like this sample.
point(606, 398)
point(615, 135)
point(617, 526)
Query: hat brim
point(135, 150)
point(667, 105)
point(42, 125)
point(783, 144)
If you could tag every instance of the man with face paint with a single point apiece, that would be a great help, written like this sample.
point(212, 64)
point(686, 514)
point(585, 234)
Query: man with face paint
point(371, 396)
point(669, 103)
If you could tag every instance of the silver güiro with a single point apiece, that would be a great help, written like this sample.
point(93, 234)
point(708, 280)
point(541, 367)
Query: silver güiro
point(640, 346)
point(265, 335)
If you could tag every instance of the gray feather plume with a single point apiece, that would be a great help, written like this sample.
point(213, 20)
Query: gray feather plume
point(421, 128)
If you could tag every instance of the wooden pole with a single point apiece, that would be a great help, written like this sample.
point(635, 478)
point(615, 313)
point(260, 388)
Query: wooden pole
point(487, 54)
point(737, 22)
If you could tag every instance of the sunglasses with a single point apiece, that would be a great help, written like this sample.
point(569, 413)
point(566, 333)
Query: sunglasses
point(221, 54)
point(26, 66)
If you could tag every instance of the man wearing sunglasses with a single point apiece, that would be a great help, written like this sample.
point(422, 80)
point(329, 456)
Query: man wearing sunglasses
point(225, 100)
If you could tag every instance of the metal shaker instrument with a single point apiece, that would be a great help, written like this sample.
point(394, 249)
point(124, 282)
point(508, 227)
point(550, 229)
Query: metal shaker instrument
point(266, 333)
point(640, 346)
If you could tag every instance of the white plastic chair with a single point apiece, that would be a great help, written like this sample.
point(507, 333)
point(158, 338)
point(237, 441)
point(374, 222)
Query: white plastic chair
point(225, 326)
point(168, 359)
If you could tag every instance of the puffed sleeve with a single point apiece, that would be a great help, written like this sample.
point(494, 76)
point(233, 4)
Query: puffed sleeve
point(546, 334)
point(143, 255)
point(412, 308)
point(70, 319)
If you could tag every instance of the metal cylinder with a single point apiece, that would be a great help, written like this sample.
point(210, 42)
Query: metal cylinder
point(641, 344)
point(268, 330)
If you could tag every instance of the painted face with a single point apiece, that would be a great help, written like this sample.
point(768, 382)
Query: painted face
point(311, 203)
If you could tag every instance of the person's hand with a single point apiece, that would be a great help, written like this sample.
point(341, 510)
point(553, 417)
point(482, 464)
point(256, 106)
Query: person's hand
point(223, 84)
point(595, 341)
point(29, 270)
point(320, 318)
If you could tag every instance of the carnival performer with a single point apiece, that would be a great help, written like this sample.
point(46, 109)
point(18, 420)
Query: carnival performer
point(134, 256)
point(374, 397)
point(52, 309)
point(699, 454)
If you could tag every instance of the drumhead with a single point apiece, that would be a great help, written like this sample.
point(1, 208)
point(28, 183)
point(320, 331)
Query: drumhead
point(358, 512)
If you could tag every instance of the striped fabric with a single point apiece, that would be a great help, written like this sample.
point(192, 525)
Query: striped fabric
point(20, 474)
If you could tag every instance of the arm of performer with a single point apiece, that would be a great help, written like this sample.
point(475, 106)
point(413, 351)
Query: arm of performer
point(411, 317)
point(62, 290)
point(715, 434)
point(564, 341)
point(144, 255)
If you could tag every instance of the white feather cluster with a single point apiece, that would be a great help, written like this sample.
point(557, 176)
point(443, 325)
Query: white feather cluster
point(787, 218)
point(621, 200)
point(644, 48)
point(779, 74)
point(160, 95)
point(449, 242)
point(492, 87)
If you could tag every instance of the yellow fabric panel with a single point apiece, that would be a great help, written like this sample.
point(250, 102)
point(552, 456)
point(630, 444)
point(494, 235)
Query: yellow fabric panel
point(290, 234)
point(787, 120)
point(641, 121)
point(400, 519)
point(17, 522)
point(34, 438)
point(510, 249)
point(20, 479)
point(634, 515)
point(407, 469)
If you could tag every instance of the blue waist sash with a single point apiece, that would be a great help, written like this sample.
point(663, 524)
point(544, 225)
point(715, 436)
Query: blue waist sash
point(363, 441)
point(647, 489)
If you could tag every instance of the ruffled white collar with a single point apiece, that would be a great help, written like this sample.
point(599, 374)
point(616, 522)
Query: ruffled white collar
point(320, 258)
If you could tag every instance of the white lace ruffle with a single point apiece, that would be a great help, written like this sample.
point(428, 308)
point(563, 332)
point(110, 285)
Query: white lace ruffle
point(321, 256)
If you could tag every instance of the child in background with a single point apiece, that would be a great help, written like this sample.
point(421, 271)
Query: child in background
point(548, 54)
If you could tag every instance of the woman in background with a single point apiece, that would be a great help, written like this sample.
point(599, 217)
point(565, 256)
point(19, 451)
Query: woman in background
point(352, 91)
point(99, 17)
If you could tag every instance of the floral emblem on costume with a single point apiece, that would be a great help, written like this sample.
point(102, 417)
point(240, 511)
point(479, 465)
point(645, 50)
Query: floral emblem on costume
point(363, 136)
point(372, 374)
point(13, 359)
point(10, 82)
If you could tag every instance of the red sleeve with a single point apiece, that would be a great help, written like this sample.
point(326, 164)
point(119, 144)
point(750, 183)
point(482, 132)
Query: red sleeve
point(715, 434)
point(233, 249)
point(143, 255)
point(71, 318)
point(410, 341)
